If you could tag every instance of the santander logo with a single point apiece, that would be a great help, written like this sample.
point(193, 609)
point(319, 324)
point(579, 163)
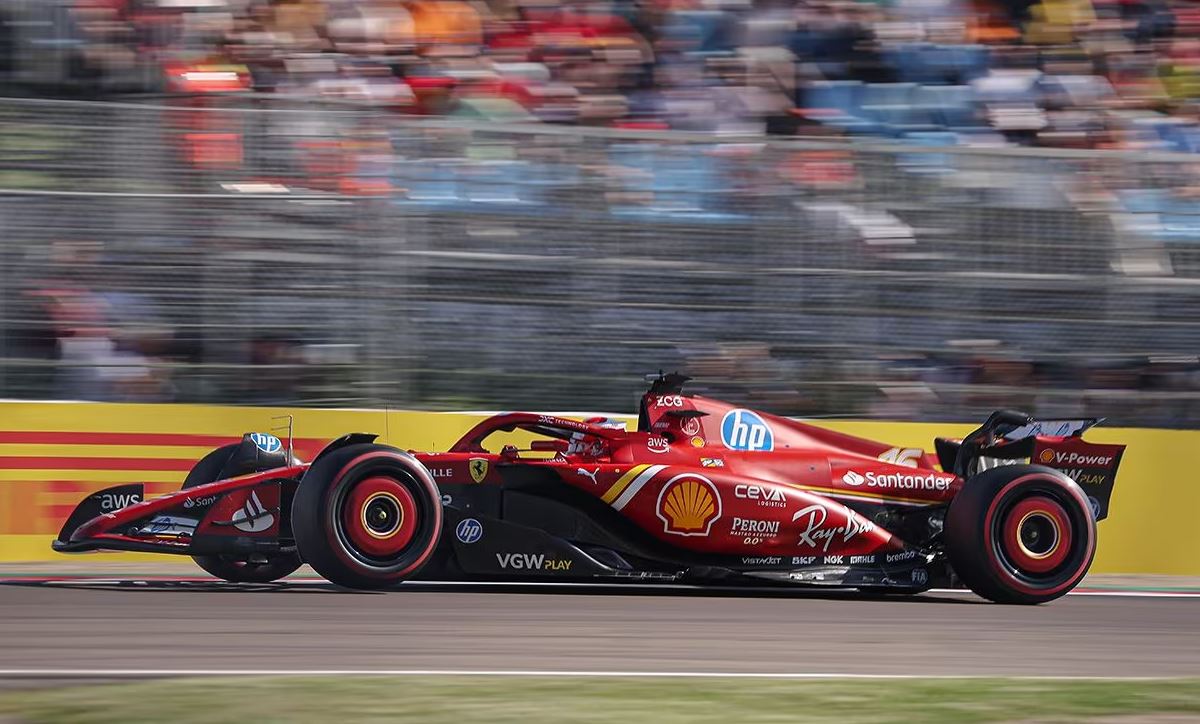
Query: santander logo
point(916, 480)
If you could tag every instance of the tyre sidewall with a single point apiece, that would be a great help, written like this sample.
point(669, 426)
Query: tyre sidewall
point(973, 526)
point(208, 469)
point(320, 536)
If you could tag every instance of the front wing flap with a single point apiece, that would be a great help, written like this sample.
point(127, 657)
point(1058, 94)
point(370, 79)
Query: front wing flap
point(242, 514)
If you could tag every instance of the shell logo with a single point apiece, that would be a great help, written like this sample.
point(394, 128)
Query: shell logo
point(1046, 456)
point(688, 505)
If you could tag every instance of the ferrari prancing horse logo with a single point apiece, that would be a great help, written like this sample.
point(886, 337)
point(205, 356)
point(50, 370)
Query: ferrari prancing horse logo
point(478, 468)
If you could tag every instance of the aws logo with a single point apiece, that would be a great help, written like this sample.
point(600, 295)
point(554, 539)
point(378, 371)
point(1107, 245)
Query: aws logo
point(688, 505)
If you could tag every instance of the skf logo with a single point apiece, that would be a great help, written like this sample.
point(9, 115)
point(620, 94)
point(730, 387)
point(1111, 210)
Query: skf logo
point(478, 468)
point(745, 430)
point(852, 478)
point(688, 505)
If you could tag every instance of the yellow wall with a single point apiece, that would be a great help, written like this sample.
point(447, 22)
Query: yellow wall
point(48, 462)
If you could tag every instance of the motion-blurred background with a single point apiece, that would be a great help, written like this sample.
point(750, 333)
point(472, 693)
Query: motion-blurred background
point(917, 209)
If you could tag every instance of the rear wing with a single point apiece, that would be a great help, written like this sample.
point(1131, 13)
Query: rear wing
point(1010, 437)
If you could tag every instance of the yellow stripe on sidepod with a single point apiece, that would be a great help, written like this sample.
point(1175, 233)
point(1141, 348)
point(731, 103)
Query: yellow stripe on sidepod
point(619, 486)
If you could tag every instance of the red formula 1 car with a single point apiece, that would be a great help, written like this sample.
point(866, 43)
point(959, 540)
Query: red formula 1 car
point(702, 492)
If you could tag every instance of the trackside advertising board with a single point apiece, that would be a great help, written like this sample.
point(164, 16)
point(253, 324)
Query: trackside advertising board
point(54, 453)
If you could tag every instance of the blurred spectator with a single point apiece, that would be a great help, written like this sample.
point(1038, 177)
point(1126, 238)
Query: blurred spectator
point(1050, 72)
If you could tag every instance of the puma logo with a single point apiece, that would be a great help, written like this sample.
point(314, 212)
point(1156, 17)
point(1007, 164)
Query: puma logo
point(587, 474)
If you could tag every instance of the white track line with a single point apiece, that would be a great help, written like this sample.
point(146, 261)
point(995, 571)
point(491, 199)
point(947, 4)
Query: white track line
point(166, 673)
point(84, 582)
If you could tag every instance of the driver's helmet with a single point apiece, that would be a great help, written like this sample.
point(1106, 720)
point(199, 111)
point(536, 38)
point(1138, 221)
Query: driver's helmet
point(582, 443)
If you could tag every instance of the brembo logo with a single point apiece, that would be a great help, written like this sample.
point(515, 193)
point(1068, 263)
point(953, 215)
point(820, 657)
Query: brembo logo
point(897, 481)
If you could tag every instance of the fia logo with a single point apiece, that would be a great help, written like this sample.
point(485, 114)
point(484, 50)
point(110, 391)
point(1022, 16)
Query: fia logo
point(745, 430)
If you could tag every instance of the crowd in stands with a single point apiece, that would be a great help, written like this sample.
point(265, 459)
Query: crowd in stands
point(1064, 73)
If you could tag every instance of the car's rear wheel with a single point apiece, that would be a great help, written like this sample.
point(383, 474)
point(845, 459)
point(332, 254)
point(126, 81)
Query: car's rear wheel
point(367, 516)
point(258, 568)
point(1020, 534)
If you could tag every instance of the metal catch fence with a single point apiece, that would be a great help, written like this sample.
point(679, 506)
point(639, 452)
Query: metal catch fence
point(273, 251)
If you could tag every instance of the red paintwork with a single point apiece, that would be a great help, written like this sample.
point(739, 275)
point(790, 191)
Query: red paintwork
point(1011, 528)
point(693, 491)
point(352, 517)
point(100, 526)
point(682, 481)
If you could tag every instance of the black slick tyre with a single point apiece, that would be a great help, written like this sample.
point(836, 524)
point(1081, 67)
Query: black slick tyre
point(236, 569)
point(1020, 534)
point(367, 516)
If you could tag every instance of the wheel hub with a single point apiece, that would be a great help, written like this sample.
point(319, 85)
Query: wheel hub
point(1037, 535)
point(379, 516)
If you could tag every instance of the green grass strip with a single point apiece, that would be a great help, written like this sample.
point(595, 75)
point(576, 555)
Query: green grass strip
point(527, 700)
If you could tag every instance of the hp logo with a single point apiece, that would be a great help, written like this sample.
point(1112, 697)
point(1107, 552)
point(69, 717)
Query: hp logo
point(266, 443)
point(745, 430)
point(468, 531)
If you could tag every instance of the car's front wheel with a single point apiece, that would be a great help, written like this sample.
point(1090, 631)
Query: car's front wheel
point(367, 516)
point(257, 568)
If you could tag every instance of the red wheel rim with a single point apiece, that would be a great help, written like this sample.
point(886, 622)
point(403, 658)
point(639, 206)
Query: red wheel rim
point(380, 517)
point(1037, 534)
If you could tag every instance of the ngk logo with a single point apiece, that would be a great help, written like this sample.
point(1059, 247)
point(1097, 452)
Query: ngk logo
point(1070, 457)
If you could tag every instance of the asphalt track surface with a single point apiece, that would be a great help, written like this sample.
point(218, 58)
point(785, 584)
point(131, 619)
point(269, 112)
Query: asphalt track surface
point(309, 626)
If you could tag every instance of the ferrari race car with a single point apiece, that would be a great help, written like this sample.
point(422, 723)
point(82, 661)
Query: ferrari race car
point(702, 492)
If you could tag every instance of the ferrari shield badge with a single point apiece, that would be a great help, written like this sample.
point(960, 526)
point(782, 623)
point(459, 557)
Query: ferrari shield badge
point(478, 468)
